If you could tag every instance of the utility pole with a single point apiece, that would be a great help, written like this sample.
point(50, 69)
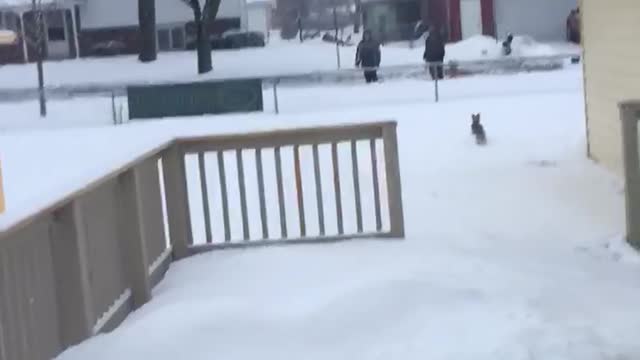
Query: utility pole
point(299, 23)
point(335, 25)
point(39, 20)
point(147, 26)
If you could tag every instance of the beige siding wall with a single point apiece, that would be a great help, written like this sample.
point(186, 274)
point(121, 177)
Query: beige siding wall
point(611, 30)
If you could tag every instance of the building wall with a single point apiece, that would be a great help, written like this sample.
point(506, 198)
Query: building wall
point(124, 13)
point(259, 17)
point(612, 72)
point(545, 20)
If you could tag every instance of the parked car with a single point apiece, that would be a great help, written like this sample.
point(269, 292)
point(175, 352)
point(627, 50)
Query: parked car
point(238, 39)
point(232, 39)
point(108, 48)
point(216, 41)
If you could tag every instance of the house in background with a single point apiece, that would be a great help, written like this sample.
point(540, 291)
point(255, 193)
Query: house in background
point(259, 16)
point(611, 73)
point(544, 20)
point(72, 25)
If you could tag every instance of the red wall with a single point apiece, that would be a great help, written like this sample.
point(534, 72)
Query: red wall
point(454, 19)
point(488, 20)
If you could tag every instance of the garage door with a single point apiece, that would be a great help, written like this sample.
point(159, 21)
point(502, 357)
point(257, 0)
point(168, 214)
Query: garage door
point(544, 20)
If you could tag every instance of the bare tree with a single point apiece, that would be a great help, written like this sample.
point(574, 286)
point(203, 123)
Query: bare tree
point(147, 25)
point(35, 37)
point(204, 12)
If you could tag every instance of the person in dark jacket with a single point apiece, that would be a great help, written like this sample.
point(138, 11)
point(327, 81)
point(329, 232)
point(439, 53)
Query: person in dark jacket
point(434, 53)
point(573, 26)
point(507, 45)
point(368, 56)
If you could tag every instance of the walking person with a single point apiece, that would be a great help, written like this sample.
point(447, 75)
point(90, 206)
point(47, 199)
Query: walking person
point(368, 56)
point(434, 53)
point(573, 26)
point(507, 45)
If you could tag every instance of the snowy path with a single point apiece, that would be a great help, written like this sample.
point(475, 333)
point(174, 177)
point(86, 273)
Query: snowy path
point(513, 252)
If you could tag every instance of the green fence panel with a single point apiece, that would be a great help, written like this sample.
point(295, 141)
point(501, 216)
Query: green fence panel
point(197, 98)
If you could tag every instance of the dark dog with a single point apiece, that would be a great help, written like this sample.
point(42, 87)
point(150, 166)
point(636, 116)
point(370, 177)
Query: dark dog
point(478, 130)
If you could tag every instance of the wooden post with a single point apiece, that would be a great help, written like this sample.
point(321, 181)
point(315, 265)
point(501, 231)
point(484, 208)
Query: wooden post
point(175, 182)
point(394, 185)
point(133, 235)
point(71, 268)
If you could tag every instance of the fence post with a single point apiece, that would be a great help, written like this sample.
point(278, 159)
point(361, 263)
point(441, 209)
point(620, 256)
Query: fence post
point(629, 117)
point(436, 84)
point(394, 186)
point(178, 216)
point(133, 235)
point(275, 94)
point(71, 271)
point(113, 108)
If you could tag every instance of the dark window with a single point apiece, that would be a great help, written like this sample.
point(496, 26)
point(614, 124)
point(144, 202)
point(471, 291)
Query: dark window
point(177, 38)
point(8, 21)
point(164, 40)
point(55, 26)
point(56, 34)
point(11, 21)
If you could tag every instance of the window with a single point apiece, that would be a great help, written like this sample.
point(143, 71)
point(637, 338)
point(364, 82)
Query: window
point(171, 38)
point(8, 21)
point(177, 38)
point(164, 41)
point(55, 26)
point(11, 21)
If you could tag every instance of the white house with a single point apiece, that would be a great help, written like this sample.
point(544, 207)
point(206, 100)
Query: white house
point(82, 24)
point(259, 16)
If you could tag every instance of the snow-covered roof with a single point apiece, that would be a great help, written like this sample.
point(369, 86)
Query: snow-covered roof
point(21, 4)
point(260, 2)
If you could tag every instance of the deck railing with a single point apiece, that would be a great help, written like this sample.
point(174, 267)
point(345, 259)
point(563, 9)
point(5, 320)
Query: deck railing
point(81, 265)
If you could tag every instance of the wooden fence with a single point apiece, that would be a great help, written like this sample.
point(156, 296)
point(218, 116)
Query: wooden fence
point(78, 267)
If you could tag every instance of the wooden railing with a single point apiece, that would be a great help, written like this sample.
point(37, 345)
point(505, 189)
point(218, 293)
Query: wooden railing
point(81, 265)
point(245, 152)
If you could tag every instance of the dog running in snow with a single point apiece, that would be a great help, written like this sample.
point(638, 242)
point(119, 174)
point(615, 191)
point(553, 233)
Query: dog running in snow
point(478, 130)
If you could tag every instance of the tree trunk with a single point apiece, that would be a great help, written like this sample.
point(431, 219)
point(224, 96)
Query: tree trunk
point(204, 47)
point(147, 25)
point(358, 17)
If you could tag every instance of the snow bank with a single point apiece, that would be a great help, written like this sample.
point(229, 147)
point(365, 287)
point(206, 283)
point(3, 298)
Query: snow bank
point(486, 48)
point(475, 48)
point(527, 46)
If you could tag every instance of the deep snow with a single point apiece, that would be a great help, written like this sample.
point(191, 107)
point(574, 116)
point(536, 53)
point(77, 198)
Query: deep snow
point(513, 251)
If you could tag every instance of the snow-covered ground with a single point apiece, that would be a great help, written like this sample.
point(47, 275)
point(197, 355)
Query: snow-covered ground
point(513, 251)
point(278, 58)
point(98, 111)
